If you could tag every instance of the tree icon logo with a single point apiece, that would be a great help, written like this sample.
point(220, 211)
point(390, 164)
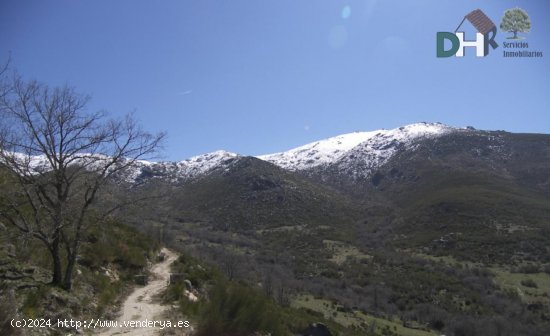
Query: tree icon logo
point(515, 20)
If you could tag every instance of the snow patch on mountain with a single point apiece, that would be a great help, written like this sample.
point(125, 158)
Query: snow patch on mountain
point(182, 170)
point(355, 154)
point(366, 150)
point(204, 163)
point(317, 153)
point(362, 160)
point(39, 164)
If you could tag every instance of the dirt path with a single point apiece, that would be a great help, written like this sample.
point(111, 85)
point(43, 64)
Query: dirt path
point(139, 306)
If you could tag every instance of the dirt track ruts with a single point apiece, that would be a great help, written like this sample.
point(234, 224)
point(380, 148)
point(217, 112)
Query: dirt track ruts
point(139, 305)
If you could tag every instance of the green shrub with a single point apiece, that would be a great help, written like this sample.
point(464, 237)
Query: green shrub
point(529, 269)
point(105, 291)
point(234, 310)
point(8, 311)
point(33, 300)
point(529, 283)
point(198, 275)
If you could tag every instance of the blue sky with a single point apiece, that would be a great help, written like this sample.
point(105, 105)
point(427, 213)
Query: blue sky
point(256, 77)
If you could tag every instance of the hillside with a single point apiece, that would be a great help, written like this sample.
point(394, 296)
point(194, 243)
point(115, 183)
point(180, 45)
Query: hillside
point(461, 214)
point(480, 196)
point(425, 229)
point(111, 256)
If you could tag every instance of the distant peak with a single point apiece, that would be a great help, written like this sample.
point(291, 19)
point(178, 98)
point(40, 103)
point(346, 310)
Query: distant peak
point(366, 149)
point(330, 150)
point(222, 152)
point(425, 127)
point(212, 155)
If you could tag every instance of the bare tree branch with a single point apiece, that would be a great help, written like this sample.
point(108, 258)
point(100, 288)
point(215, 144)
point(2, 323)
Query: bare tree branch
point(61, 156)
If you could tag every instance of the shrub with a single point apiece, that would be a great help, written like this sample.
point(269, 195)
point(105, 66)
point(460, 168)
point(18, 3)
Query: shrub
point(528, 269)
point(33, 299)
point(234, 309)
point(105, 291)
point(8, 311)
point(529, 283)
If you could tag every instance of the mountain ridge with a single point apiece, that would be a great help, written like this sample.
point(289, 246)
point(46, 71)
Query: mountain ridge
point(355, 155)
point(375, 146)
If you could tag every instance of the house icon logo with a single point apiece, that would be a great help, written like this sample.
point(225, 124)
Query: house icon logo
point(457, 43)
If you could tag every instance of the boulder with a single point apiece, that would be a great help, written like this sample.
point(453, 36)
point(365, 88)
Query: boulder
point(188, 284)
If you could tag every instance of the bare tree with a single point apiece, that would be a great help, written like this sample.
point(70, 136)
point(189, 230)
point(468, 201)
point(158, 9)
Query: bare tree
point(3, 77)
point(283, 297)
point(267, 284)
point(229, 263)
point(60, 157)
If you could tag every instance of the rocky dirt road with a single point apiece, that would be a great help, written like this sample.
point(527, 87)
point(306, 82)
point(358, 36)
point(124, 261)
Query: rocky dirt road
point(139, 306)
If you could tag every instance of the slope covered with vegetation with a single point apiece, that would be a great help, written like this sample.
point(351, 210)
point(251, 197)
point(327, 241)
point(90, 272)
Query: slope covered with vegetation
point(451, 237)
point(111, 255)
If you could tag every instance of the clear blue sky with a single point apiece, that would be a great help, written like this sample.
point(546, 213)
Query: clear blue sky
point(256, 77)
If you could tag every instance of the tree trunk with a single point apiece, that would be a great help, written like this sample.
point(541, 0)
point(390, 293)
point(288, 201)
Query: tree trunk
point(515, 34)
point(71, 262)
point(57, 271)
point(68, 280)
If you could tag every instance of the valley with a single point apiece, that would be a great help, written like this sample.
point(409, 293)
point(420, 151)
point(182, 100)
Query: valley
point(422, 230)
point(274, 168)
point(427, 229)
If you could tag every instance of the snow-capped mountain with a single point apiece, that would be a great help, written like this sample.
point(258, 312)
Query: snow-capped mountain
point(355, 154)
point(366, 150)
point(317, 153)
point(182, 170)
